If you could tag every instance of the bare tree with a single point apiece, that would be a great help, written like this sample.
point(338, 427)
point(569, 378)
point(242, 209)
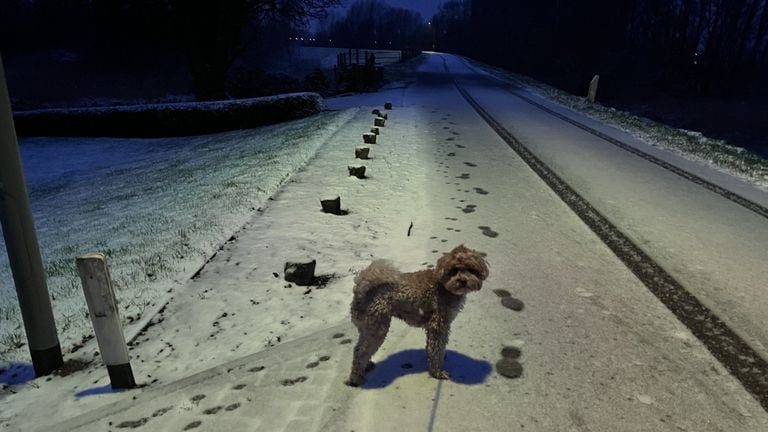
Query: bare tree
point(209, 33)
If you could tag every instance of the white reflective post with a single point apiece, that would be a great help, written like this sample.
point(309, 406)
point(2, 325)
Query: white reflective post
point(593, 89)
point(97, 286)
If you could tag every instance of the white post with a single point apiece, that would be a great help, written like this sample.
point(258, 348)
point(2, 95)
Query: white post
point(97, 286)
point(592, 95)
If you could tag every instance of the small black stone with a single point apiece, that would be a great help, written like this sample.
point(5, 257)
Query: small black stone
point(212, 410)
point(510, 352)
point(133, 424)
point(490, 233)
point(512, 303)
point(501, 293)
point(161, 411)
point(193, 425)
point(509, 368)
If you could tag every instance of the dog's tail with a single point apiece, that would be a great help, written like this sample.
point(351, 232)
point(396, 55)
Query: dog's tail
point(381, 273)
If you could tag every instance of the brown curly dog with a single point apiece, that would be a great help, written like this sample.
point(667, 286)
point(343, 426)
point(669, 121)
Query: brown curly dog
point(429, 299)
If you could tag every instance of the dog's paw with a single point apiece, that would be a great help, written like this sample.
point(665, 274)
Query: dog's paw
point(370, 366)
point(355, 382)
point(441, 375)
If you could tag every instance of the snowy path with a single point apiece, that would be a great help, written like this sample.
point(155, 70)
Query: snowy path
point(598, 350)
point(712, 245)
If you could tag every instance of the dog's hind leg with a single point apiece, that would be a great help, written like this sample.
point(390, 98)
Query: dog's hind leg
point(372, 331)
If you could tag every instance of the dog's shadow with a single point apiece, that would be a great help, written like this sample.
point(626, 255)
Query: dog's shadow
point(462, 369)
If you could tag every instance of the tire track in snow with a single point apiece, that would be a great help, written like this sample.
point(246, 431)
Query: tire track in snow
point(726, 346)
point(725, 193)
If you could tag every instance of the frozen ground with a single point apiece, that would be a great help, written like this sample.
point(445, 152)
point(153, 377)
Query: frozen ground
point(157, 207)
point(160, 207)
point(599, 351)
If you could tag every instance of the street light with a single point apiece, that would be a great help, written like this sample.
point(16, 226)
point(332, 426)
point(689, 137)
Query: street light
point(432, 33)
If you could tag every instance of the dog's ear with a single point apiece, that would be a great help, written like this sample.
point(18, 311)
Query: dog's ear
point(442, 266)
point(484, 266)
point(481, 264)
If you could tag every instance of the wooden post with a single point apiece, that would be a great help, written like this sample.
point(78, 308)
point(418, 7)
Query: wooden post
point(357, 171)
point(369, 138)
point(362, 152)
point(97, 286)
point(593, 89)
point(331, 205)
point(23, 250)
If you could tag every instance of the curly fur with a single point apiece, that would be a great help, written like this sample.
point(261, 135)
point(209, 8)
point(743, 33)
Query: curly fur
point(429, 299)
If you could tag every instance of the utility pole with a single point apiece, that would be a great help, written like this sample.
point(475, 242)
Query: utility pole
point(23, 251)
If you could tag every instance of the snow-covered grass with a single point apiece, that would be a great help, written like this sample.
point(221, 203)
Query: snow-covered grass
point(691, 145)
point(158, 208)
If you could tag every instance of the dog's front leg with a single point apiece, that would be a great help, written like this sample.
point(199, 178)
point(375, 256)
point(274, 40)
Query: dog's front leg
point(436, 343)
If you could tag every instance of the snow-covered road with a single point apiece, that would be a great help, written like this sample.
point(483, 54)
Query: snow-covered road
point(713, 246)
point(598, 339)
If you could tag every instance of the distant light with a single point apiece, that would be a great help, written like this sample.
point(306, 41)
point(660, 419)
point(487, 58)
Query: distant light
point(302, 38)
